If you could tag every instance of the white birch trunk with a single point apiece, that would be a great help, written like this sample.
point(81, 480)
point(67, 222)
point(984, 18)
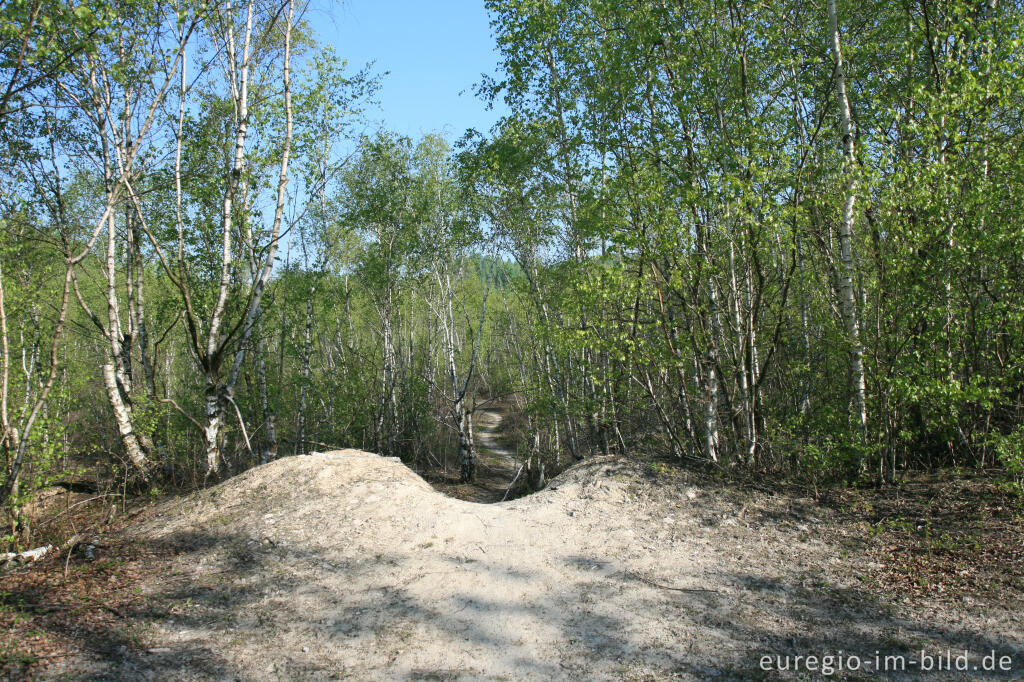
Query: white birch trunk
point(847, 297)
point(219, 393)
point(214, 412)
point(710, 409)
point(123, 419)
point(234, 177)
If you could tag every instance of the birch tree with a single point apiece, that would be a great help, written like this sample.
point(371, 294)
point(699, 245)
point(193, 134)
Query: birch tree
point(118, 92)
point(847, 273)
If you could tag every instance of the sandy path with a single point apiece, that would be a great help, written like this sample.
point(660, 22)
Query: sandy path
point(497, 464)
point(488, 429)
point(350, 566)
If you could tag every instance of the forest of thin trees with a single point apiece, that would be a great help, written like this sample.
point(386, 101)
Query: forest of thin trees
point(774, 236)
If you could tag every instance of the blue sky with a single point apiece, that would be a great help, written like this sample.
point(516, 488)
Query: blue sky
point(434, 50)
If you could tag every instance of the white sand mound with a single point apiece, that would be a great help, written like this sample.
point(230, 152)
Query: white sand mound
point(349, 565)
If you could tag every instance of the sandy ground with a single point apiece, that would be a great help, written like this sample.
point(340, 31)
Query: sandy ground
point(347, 565)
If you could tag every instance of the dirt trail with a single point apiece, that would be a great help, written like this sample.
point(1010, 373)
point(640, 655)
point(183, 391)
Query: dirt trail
point(497, 465)
point(348, 565)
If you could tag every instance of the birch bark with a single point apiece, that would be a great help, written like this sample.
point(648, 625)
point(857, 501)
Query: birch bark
point(847, 297)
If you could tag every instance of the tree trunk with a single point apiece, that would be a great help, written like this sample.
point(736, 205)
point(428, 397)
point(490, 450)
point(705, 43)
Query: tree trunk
point(305, 375)
point(219, 393)
point(117, 371)
point(215, 416)
point(269, 450)
point(467, 449)
point(130, 439)
point(710, 409)
point(847, 297)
